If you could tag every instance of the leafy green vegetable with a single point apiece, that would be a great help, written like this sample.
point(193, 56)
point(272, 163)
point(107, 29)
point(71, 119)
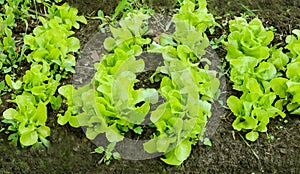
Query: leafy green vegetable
point(268, 78)
point(254, 71)
point(9, 57)
point(112, 105)
point(52, 42)
point(14, 85)
point(28, 122)
point(67, 92)
point(108, 153)
point(181, 120)
point(292, 72)
point(67, 14)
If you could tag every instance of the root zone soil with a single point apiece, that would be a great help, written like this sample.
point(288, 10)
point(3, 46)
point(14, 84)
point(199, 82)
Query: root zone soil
point(70, 151)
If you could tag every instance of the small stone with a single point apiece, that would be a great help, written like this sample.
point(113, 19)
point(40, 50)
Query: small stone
point(283, 150)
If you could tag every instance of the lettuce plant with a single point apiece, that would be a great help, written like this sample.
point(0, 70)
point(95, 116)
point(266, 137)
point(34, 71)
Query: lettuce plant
point(68, 92)
point(247, 46)
point(28, 122)
point(267, 77)
point(52, 43)
point(66, 15)
point(37, 81)
point(181, 120)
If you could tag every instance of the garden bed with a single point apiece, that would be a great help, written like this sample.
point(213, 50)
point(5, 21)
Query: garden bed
point(275, 152)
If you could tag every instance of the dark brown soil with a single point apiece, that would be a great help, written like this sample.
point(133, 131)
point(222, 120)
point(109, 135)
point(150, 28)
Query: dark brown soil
point(70, 151)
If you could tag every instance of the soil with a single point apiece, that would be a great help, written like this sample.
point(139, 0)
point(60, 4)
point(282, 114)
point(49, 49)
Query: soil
point(275, 152)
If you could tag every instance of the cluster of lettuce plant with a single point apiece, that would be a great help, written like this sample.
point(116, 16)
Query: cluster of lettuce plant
point(189, 87)
point(52, 49)
point(9, 57)
point(262, 73)
point(108, 104)
point(14, 11)
point(52, 43)
point(11, 46)
point(111, 105)
point(292, 81)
